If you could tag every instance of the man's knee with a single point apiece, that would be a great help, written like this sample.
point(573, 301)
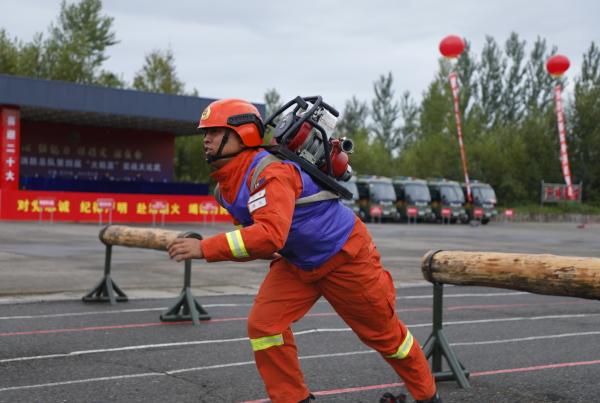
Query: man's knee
point(263, 321)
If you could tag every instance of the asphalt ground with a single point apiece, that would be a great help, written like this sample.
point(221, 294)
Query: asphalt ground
point(518, 347)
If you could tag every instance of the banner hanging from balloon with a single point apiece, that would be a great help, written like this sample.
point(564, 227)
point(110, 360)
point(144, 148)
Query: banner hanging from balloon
point(557, 65)
point(451, 47)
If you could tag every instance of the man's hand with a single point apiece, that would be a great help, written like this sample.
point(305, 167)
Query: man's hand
point(185, 248)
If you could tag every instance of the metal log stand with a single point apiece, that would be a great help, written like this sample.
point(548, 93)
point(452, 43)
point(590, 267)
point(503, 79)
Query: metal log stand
point(106, 289)
point(437, 345)
point(186, 307)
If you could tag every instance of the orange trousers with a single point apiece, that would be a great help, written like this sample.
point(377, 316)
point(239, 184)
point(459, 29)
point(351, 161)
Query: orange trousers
point(361, 291)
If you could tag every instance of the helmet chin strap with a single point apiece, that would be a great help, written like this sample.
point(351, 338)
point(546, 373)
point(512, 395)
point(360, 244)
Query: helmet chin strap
point(218, 155)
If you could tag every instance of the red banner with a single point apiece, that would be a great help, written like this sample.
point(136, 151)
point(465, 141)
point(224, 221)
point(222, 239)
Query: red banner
point(94, 207)
point(558, 192)
point(463, 156)
point(10, 132)
point(562, 135)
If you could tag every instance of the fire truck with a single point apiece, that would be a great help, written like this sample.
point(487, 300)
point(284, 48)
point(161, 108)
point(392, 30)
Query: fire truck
point(413, 200)
point(353, 202)
point(483, 205)
point(447, 200)
point(377, 198)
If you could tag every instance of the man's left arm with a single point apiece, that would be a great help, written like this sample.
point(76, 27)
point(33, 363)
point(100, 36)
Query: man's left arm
point(272, 206)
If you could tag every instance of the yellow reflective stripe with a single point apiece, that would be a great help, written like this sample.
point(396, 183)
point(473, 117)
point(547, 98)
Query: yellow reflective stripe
point(236, 244)
point(265, 342)
point(404, 348)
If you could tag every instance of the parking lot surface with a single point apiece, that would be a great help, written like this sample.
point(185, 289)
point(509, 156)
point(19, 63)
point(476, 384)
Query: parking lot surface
point(518, 347)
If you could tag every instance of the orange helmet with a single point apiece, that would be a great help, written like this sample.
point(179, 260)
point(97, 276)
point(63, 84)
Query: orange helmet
point(236, 114)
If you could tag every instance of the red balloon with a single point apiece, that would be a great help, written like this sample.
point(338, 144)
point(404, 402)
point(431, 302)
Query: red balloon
point(452, 46)
point(557, 65)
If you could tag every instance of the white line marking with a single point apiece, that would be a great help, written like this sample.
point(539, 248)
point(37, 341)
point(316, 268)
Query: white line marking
point(90, 313)
point(239, 364)
point(490, 294)
point(551, 336)
point(127, 348)
point(297, 333)
point(244, 363)
point(58, 315)
point(106, 378)
point(233, 364)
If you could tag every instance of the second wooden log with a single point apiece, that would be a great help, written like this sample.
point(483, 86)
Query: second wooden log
point(542, 274)
point(138, 237)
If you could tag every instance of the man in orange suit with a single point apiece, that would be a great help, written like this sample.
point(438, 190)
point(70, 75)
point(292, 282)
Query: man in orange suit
point(319, 248)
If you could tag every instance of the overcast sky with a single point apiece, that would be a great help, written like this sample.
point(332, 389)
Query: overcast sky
point(333, 48)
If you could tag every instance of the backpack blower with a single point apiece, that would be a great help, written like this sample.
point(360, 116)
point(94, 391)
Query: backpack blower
point(304, 135)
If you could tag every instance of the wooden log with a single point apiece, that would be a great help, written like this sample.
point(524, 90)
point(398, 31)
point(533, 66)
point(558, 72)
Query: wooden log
point(137, 237)
point(542, 274)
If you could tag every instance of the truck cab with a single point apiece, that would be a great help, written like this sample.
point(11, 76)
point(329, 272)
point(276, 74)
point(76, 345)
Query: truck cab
point(413, 198)
point(447, 200)
point(351, 186)
point(377, 198)
point(483, 205)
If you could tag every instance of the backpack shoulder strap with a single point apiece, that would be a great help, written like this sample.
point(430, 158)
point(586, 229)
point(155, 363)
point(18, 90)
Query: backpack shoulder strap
point(320, 196)
point(265, 162)
point(217, 195)
point(269, 159)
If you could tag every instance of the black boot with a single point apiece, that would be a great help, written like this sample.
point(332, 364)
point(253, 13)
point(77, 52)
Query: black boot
point(389, 398)
point(434, 399)
point(308, 399)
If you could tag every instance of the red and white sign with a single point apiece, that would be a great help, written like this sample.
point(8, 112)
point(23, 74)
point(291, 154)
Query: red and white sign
point(478, 212)
point(463, 156)
point(376, 211)
point(105, 204)
point(158, 205)
point(412, 211)
point(446, 212)
point(46, 202)
point(10, 135)
point(564, 155)
point(209, 207)
point(558, 192)
point(509, 213)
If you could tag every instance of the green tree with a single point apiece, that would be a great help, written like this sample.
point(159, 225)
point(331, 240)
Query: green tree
point(466, 70)
point(491, 72)
point(353, 119)
point(74, 49)
point(385, 112)
point(159, 74)
point(435, 152)
point(436, 115)
point(538, 83)
point(109, 79)
point(272, 102)
point(513, 108)
point(409, 111)
point(372, 156)
point(77, 43)
point(190, 163)
point(9, 54)
point(31, 58)
point(584, 136)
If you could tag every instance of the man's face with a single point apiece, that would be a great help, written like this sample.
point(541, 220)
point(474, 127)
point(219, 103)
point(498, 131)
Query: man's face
point(212, 141)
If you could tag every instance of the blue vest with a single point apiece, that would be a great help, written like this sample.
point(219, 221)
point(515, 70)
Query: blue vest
point(319, 230)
